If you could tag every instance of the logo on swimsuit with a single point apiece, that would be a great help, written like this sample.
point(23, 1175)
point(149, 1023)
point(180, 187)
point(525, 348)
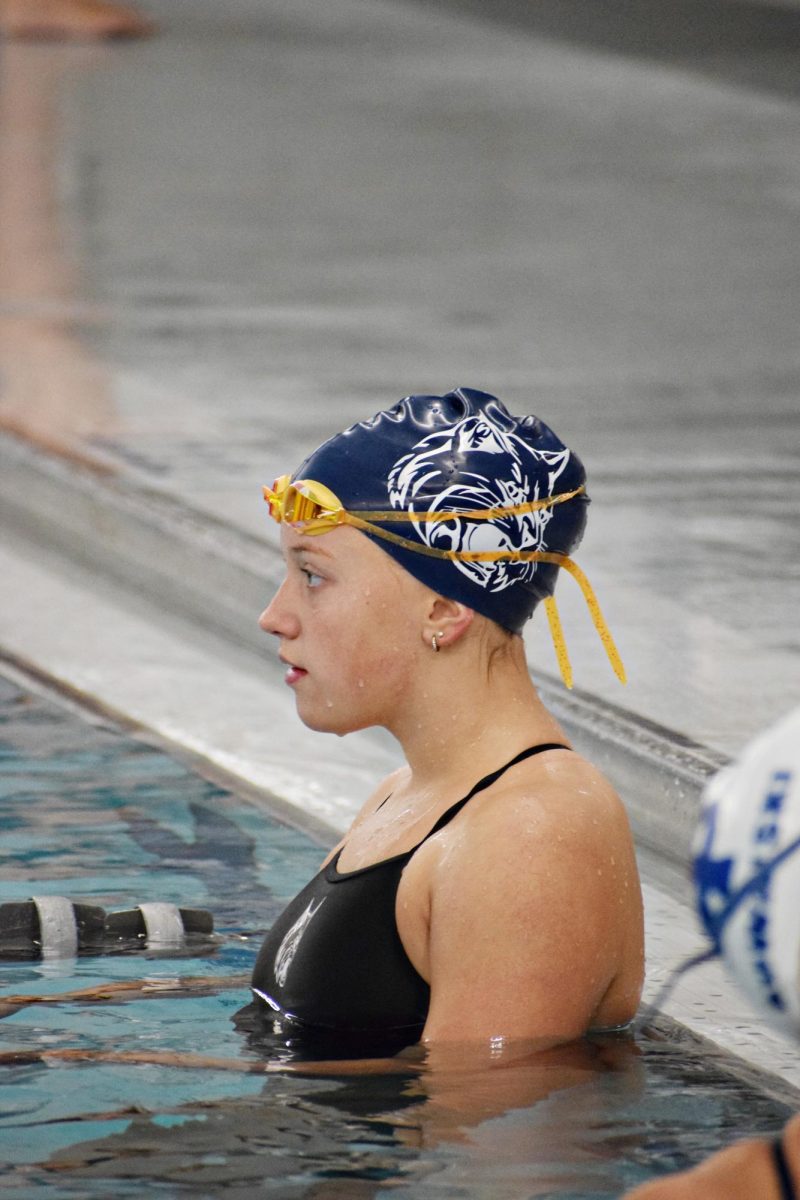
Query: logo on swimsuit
point(511, 475)
point(289, 946)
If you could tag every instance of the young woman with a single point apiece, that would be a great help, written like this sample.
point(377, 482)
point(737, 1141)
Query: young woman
point(488, 889)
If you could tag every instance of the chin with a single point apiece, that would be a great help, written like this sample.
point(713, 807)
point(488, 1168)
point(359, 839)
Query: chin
point(329, 721)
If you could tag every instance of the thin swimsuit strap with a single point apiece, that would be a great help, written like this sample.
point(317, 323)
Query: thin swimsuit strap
point(332, 872)
point(782, 1170)
point(488, 780)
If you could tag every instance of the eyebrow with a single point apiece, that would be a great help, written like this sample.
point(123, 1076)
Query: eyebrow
point(309, 549)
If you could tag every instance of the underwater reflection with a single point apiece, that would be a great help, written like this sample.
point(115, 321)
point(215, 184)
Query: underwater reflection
point(56, 392)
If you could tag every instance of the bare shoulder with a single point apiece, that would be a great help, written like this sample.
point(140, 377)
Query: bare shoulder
point(535, 883)
point(565, 771)
point(550, 820)
point(558, 799)
point(740, 1172)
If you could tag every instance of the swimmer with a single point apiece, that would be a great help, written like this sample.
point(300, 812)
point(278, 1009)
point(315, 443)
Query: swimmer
point(70, 20)
point(747, 872)
point(488, 890)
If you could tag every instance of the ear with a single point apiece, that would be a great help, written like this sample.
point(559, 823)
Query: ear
point(447, 621)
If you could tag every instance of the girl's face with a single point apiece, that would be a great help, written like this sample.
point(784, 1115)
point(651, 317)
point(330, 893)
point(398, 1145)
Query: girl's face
point(349, 620)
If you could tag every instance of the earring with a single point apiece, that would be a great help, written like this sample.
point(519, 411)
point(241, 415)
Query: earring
point(435, 643)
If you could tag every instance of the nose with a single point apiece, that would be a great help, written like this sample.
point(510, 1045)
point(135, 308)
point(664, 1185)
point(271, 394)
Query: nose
point(277, 617)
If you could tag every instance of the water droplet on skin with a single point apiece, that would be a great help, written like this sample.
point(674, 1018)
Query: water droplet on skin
point(329, 703)
point(361, 683)
point(496, 1046)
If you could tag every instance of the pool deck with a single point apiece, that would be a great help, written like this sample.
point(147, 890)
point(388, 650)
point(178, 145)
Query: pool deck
point(223, 244)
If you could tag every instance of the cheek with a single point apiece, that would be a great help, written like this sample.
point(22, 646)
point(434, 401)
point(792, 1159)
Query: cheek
point(374, 649)
point(367, 656)
point(391, 657)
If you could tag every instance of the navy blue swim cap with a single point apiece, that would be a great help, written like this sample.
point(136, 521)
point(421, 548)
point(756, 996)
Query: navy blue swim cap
point(461, 453)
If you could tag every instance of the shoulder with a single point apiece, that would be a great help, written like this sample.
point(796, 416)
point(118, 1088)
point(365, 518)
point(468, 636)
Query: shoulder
point(563, 773)
point(740, 1172)
point(543, 826)
point(546, 853)
point(534, 883)
point(556, 799)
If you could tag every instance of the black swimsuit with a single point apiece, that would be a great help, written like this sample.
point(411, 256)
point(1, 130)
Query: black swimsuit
point(333, 962)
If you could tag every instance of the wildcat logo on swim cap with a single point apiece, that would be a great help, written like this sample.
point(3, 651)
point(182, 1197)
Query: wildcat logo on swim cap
point(504, 472)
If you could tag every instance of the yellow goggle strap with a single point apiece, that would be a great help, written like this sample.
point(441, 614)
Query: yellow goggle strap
point(321, 518)
point(558, 560)
point(474, 514)
point(316, 505)
point(559, 644)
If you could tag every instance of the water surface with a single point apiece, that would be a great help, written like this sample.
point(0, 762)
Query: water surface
point(90, 812)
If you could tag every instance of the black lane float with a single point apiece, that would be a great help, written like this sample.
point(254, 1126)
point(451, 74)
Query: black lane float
point(56, 927)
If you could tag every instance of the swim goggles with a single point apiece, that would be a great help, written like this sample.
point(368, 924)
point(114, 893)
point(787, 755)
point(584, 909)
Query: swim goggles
point(315, 509)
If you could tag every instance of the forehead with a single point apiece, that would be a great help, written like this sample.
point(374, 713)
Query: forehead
point(340, 545)
point(351, 552)
point(293, 542)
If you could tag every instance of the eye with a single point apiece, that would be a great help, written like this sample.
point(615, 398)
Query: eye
point(312, 579)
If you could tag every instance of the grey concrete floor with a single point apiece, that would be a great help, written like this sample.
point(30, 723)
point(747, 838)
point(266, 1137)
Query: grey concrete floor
point(221, 245)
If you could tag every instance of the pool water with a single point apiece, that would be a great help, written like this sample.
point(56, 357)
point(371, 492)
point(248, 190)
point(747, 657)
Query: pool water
point(90, 812)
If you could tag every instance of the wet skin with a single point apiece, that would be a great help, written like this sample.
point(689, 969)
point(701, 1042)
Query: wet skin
point(524, 913)
point(743, 1171)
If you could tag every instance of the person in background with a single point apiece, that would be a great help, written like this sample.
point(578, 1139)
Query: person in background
point(747, 875)
point(71, 20)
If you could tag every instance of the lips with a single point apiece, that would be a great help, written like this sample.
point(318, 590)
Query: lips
point(294, 674)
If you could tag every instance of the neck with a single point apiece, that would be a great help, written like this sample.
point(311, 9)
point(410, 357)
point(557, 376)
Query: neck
point(466, 717)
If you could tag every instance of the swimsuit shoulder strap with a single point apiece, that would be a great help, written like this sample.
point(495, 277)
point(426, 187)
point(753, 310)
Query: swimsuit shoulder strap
point(488, 780)
point(782, 1170)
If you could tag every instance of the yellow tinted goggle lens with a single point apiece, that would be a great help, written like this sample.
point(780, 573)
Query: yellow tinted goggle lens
point(305, 503)
point(300, 507)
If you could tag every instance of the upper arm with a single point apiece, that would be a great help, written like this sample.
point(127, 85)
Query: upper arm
point(524, 932)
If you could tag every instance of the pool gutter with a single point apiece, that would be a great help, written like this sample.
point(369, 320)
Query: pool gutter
point(217, 577)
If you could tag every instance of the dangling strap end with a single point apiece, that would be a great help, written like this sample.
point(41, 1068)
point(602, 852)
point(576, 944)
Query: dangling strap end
point(557, 634)
point(617, 664)
point(594, 610)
